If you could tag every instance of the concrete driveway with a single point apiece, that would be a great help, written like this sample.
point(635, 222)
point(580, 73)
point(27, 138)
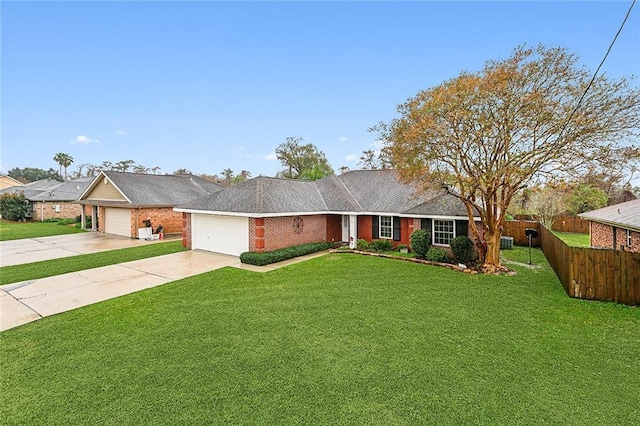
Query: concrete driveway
point(28, 301)
point(29, 250)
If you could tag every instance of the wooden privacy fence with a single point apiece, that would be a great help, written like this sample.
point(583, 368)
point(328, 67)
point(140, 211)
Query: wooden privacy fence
point(562, 223)
point(596, 274)
point(516, 228)
point(568, 223)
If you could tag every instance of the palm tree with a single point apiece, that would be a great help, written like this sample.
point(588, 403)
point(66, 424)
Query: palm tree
point(66, 162)
point(59, 158)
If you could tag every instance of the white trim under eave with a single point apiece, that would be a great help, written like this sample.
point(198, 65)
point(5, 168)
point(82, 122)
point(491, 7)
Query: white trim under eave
point(263, 215)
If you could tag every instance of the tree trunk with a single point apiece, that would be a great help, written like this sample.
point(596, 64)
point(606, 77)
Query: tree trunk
point(492, 258)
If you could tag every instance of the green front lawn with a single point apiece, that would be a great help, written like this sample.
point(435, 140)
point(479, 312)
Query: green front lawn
point(20, 230)
point(49, 268)
point(340, 339)
point(573, 239)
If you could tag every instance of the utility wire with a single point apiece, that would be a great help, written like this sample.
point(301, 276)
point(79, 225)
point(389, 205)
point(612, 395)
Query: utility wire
point(597, 70)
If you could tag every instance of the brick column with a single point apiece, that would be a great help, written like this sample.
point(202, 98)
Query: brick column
point(259, 232)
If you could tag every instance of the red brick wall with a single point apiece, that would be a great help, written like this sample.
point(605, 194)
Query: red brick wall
point(364, 228)
point(334, 228)
point(186, 230)
point(170, 220)
point(407, 226)
point(602, 236)
point(47, 210)
point(272, 233)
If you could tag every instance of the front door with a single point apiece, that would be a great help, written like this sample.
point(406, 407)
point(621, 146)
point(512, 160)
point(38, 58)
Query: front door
point(345, 228)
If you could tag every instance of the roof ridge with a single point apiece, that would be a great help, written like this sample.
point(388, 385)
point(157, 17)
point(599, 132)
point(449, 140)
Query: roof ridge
point(259, 195)
point(347, 193)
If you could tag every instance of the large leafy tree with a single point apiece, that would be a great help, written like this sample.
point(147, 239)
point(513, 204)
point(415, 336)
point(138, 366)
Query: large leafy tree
point(32, 174)
point(482, 136)
point(302, 161)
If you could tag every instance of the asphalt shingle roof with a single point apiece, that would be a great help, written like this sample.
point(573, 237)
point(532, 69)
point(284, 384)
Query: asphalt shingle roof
point(51, 190)
point(160, 190)
point(624, 215)
point(372, 191)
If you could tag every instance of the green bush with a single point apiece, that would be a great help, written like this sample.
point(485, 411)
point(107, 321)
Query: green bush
point(437, 254)
point(363, 245)
point(462, 249)
point(420, 242)
point(14, 206)
point(381, 245)
point(267, 257)
point(66, 221)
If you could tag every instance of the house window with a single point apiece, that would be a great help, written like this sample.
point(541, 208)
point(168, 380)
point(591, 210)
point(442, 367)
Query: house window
point(628, 237)
point(386, 227)
point(443, 231)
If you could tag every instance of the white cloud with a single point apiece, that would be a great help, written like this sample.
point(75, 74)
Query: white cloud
point(343, 139)
point(351, 157)
point(120, 132)
point(84, 140)
point(271, 156)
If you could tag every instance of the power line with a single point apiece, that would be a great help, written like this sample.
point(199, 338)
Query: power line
point(597, 70)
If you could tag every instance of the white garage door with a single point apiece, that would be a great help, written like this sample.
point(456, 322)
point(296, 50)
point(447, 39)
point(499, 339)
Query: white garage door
point(220, 234)
point(117, 221)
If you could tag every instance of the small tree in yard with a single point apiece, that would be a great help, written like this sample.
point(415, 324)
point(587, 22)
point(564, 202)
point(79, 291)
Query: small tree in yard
point(547, 203)
point(484, 136)
point(420, 242)
point(14, 206)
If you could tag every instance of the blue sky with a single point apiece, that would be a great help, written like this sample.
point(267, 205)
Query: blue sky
point(212, 85)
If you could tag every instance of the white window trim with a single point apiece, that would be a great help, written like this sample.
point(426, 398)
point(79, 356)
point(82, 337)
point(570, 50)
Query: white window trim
point(629, 238)
point(433, 231)
point(390, 237)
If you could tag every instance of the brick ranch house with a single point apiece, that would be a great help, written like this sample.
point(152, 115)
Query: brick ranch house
point(120, 203)
point(616, 227)
point(51, 199)
point(267, 213)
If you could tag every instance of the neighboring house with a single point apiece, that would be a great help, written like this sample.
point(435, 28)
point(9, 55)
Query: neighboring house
point(8, 182)
point(51, 199)
point(616, 226)
point(121, 202)
point(270, 213)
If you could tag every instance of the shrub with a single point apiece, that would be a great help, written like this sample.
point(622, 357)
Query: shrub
point(401, 247)
point(66, 221)
point(14, 206)
point(381, 245)
point(436, 254)
point(267, 257)
point(363, 245)
point(462, 249)
point(420, 241)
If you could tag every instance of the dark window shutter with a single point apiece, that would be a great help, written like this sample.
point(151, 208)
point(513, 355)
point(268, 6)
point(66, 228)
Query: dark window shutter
point(462, 228)
point(375, 222)
point(396, 228)
point(425, 224)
